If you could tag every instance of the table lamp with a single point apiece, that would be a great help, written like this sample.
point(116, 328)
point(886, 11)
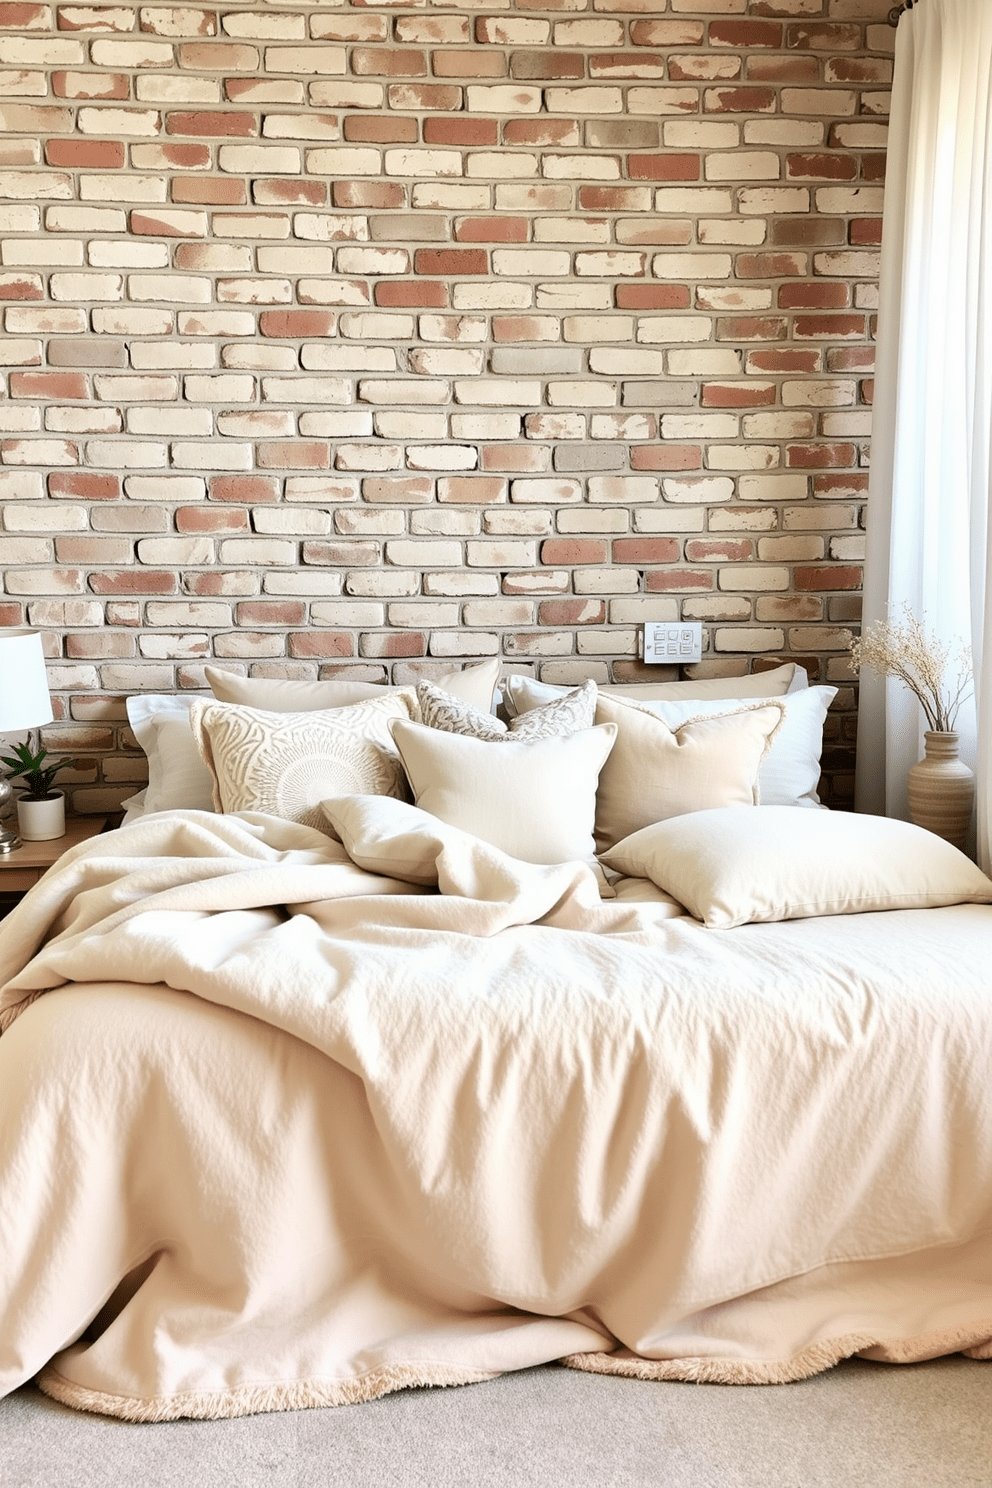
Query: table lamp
point(24, 702)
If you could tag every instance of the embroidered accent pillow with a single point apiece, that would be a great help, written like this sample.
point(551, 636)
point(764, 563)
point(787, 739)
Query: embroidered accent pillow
point(285, 764)
point(564, 715)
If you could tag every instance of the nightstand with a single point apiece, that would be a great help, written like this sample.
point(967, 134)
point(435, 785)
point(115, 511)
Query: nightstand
point(25, 865)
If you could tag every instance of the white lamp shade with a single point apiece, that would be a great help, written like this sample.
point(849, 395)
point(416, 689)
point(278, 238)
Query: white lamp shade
point(24, 699)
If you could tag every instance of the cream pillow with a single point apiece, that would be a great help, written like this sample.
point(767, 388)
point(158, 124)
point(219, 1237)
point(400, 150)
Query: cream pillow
point(731, 867)
point(565, 715)
point(523, 693)
point(474, 685)
point(286, 764)
point(655, 771)
point(533, 799)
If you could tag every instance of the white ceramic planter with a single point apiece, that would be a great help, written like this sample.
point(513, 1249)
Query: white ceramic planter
point(38, 821)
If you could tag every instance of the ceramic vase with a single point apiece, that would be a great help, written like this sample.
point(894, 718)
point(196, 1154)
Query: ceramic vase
point(941, 789)
point(38, 821)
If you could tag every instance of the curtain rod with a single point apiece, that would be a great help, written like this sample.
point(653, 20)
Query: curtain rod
point(899, 10)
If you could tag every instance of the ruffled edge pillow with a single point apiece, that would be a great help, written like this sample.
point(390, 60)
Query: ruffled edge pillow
point(732, 867)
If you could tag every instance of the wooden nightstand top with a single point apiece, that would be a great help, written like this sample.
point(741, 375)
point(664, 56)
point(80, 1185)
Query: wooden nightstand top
point(25, 865)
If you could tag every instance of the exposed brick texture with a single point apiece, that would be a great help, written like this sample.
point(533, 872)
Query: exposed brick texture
point(374, 335)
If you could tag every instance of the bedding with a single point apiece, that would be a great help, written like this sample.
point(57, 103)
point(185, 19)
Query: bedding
point(291, 1119)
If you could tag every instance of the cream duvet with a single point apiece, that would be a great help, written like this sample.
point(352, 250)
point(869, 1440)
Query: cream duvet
point(286, 1124)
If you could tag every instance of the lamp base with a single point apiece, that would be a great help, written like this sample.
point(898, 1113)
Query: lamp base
point(9, 841)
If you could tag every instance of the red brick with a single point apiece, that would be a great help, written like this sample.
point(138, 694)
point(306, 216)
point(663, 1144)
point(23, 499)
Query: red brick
point(821, 167)
point(83, 485)
point(666, 457)
point(185, 157)
point(377, 194)
point(388, 62)
point(744, 34)
point(21, 17)
point(792, 232)
point(394, 645)
point(851, 359)
point(546, 64)
point(225, 519)
point(11, 615)
point(873, 167)
point(133, 581)
point(540, 131)
point(24, 288)
point(819, 295)
point(251, 489)
point(764, 67)
point(840, 485)
point(663, 167)
point(828, 327)
point(739, 101)
point(716, 550)
point(294, 454)
point(840, 576)
point(752, 328)
point(646, 550)
point(46, 385)
point(272, 612)
point(561, 612)
point(322, 643)
point(419, 294)
point(736, 395)
point(460, 131)
point(380, 129)
point(817, 456)
point(610, 198)
point(297, 323)
point(566, 551)
point(866, 231)
point(211, 123)
point(653, 297)
point(770, 265)
point(278, 192)
point(782, 359)
point(859, 70)
point(451, 261)
point(669, 580)
point(823, 38)
point(405, 97)
point(108, 86)
point(491, 230)
point(146, 224)
point(208, 191)
point(85, 154)
point(469, 64)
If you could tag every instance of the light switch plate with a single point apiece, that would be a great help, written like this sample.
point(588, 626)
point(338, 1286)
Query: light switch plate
point(672, 643)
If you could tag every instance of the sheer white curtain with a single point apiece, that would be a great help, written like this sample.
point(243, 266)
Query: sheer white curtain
point(929, 497)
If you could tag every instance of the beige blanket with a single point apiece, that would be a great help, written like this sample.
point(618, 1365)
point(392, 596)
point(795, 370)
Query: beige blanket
point(286, 1131)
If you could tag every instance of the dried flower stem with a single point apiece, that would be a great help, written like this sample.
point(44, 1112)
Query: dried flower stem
point(908, 651)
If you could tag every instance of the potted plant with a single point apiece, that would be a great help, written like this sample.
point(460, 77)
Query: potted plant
point(40, 808)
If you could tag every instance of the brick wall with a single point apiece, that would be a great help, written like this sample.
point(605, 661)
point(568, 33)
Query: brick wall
point(391, 335)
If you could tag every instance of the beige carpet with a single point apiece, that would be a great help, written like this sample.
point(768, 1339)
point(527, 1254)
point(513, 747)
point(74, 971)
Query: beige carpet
point(858, 1426)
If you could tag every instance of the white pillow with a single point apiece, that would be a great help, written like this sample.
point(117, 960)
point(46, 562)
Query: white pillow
point(523, 693)
point(177, 776)
point(474, 685)
point(732, 866)
point(286, 764)
point(790, 771)
point(533, 799)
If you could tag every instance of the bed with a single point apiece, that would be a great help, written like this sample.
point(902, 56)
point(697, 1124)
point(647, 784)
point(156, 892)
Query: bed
point(590, 1038)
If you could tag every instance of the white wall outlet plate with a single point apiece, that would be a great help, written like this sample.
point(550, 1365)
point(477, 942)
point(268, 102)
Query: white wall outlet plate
point(673, 642)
